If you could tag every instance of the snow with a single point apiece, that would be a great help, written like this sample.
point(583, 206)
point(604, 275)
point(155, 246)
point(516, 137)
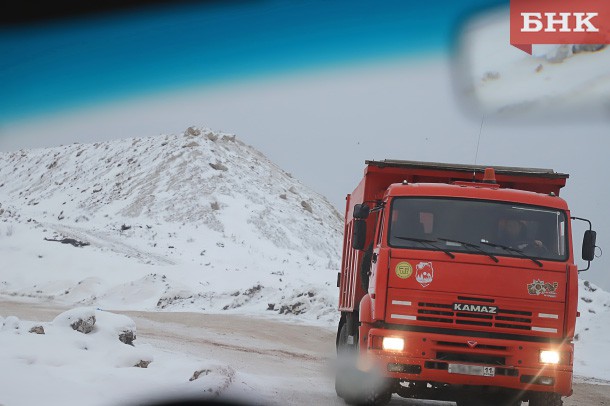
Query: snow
point(165, 230)
point(592, 332)
point(63, 364)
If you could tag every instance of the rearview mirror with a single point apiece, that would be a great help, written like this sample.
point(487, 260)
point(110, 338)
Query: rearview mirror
point(494, 79)
point(361, 211)
point(359, 234)
point(588, 245)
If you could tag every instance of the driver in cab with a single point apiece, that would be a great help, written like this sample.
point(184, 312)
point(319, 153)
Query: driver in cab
point(513, 233)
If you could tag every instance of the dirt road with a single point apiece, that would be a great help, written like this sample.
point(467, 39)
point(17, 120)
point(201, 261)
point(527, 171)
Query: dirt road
point(295, 359)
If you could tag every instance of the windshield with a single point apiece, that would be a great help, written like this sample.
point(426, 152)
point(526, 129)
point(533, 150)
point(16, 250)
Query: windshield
point(478, 227)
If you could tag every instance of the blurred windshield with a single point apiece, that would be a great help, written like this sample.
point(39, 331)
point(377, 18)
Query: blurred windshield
point(460, 225)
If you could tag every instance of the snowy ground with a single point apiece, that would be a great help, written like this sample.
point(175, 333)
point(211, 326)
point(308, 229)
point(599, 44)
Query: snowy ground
point(195, 222)
point(592, 335)
point(65, 365)
point(262, 361)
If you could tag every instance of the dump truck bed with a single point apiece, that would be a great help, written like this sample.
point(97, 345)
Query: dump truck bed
point(379, 175)
point(468, 169)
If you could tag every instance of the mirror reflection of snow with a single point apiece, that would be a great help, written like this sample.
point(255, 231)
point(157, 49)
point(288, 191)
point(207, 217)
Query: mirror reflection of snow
point(499, 79)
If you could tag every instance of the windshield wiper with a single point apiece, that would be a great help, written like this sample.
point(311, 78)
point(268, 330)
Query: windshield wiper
point(472, 247)
point(429, 242)
point(515, 250)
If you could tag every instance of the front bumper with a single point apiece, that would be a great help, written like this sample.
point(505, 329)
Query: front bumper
point(426, 357)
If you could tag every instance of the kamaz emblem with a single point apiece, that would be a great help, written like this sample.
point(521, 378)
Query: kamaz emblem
point(472, 308)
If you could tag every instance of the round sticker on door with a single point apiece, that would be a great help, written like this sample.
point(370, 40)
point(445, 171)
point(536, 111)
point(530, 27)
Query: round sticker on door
point(404, 270)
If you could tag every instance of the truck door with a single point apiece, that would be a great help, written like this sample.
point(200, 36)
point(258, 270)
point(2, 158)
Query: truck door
point(377, 241)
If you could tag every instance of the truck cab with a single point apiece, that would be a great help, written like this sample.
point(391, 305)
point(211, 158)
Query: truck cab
point(458, 283)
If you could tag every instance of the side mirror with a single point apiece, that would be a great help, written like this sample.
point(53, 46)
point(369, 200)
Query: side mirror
point(359, 234)
point(361, 211)
point(588, 245)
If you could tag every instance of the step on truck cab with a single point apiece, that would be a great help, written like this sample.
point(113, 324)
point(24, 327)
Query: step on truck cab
point(458, 282)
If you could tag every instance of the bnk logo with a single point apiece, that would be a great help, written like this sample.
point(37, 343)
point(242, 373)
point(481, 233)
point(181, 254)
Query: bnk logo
point(559, 22)
point(532, 22)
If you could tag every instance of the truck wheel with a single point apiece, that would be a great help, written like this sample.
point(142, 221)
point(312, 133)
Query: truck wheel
point(377, 396)
point(346, 365)
point(545, 399)
point(496, 402)
point(474, 403)
point(357, 387)
point(367, 389)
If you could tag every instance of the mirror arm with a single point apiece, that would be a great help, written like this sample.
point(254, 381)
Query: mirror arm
point(377, 205)
point(582, 219)
point(587, 268)
point(590, 228)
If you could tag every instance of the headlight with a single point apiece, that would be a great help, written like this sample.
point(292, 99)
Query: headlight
point(393, 344)
point(549, 357)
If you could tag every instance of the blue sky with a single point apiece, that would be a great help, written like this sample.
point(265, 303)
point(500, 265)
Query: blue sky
point(60, 64)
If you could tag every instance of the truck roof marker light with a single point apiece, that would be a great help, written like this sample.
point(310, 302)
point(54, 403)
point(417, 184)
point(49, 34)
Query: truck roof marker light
point(405, 182)
point(489, 176)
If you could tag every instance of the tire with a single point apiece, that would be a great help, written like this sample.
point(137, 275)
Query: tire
point(357, 387)
point(346, 366)
point(367, 390)
point(474, 403)
point(545, 399)
point(489, 402)
point(466, 403)
point(377, 395)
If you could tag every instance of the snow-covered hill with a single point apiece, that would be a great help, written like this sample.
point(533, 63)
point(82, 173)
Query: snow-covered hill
point(197, 221)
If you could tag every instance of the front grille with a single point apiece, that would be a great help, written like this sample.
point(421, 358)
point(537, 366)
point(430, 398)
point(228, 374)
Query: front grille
point(474, 358)
point(443, 313)
point(466, 346)
point(517, 319)
point(476, 299)
point(473, 323)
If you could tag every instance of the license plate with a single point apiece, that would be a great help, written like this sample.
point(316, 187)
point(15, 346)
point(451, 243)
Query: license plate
point(477, 370)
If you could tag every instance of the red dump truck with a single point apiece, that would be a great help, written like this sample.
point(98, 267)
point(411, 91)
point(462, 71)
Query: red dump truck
point(458, 283)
